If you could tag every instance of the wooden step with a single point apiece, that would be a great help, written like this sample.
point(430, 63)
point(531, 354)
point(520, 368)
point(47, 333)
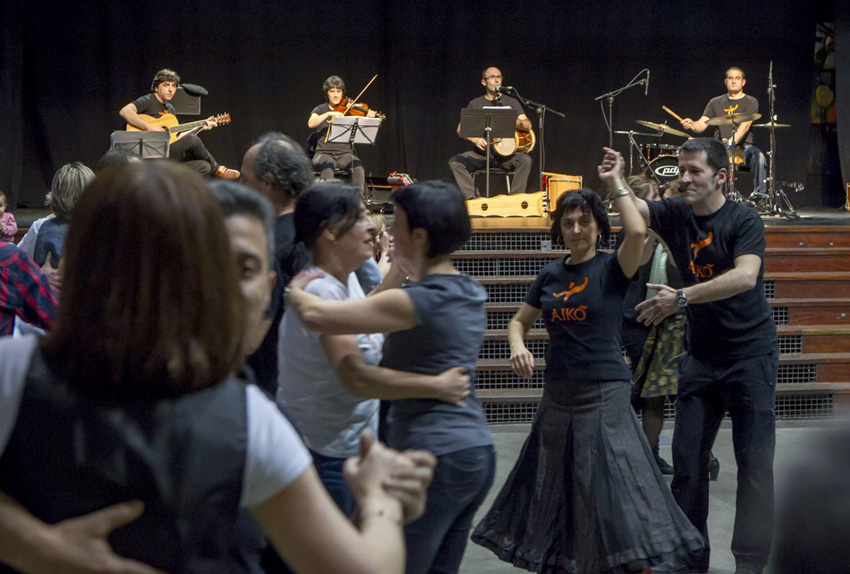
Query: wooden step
point(792, 339)
point(514, 395)
point(796, 312)
point(793, 368)
point(776, 260)
point(816, 285)
point(793, 401)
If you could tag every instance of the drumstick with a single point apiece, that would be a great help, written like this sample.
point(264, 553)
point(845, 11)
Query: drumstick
point(671, 112)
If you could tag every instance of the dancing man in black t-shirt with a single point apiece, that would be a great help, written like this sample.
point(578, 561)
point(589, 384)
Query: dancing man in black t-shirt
point(331, 155)
point(189, 148)
point(464, 164)
point(718, 246)
point(735, 101)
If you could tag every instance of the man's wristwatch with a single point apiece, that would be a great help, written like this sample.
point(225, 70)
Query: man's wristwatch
point(681, 298)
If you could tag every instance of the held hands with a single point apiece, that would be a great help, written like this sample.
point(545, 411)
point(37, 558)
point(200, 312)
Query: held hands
point(611, 169)
point(388, 483)
point(654, 311)
point(522, 362)
point(453, 386)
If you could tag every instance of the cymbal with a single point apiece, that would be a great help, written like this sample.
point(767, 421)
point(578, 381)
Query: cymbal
point(769, 125)
point(662, 128)
point(732, 118)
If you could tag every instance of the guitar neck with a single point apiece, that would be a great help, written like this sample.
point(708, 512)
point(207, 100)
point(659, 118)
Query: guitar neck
point(186, 127)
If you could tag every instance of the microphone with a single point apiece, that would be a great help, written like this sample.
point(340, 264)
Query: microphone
point(646, 84)
point(504, 89)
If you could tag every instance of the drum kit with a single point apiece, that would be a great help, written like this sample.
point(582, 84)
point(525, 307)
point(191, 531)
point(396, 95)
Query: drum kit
point(660, 161)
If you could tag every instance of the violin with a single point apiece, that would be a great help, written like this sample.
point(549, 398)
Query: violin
point(348, 107)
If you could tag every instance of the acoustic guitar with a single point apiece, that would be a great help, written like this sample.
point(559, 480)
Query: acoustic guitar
point(175, 128)
point(522, 142)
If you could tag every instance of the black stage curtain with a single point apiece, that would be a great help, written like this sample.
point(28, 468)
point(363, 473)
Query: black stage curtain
point(68, 68)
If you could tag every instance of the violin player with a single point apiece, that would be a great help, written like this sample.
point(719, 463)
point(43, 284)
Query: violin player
point(464, 164)
point(330, 155)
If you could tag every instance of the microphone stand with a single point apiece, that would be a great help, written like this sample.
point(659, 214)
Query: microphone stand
point(609, 120)
point(541, 110)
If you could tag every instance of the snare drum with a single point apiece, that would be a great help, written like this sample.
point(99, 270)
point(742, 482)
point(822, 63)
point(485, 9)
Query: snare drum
point(665, 168)
point(654, 150)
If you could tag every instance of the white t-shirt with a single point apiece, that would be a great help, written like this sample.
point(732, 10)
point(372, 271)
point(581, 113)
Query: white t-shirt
point(329, 418)
point(275, 455)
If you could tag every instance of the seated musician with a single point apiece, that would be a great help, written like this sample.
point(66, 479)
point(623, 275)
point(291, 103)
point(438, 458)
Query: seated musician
point(737, 102)
point(189, 148)
point(331, 155)
point(463, 165)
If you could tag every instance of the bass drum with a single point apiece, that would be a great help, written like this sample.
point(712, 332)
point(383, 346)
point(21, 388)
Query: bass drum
point(665, 168)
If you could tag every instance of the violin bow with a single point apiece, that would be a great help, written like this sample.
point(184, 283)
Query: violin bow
point(354, 101)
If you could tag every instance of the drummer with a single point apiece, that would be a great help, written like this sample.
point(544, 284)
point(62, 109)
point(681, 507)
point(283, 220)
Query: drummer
point(735, 101)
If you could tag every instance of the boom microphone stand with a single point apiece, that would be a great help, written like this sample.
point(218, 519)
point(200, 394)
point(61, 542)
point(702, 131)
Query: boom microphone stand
point(541, 110)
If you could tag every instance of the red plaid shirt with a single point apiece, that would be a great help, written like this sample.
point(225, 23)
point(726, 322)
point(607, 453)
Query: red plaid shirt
point(24, 292)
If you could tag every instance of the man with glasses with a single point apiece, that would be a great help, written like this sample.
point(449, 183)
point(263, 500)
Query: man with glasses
point(735, 101)
point(463, 165)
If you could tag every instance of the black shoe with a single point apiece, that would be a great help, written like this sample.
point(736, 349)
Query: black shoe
point(665, 467)
point(679, 568)
point(713, 468)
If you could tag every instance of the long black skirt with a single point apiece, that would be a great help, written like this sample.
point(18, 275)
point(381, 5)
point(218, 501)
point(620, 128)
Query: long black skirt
point(585, 495)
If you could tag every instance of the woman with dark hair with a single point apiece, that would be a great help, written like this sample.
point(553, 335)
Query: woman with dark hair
point(132, 397)
point(434, 323)
point(329, 385)
point(585, 495)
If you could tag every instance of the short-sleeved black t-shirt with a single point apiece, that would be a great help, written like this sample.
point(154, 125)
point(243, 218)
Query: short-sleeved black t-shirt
point(148, 104)
point(705, 247)
point(449, 331)
point(582, 307)
point(322, 130)
point(723, 105)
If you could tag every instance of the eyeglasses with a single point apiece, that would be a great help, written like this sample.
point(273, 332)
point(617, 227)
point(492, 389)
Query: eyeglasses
point(493, 78)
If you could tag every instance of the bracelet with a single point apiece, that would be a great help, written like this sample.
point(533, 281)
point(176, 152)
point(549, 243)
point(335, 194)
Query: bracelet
point(621, 192)
point(380, 513)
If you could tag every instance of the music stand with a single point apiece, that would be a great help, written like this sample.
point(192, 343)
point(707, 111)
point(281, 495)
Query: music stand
point(146, 145)
point(490, 123)
point(352, 130)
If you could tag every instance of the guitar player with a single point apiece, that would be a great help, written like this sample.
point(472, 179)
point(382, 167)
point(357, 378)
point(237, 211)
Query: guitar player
point(465, 163)
point(189, 148)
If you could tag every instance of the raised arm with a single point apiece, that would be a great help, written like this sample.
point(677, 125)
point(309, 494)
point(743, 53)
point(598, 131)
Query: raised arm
point(317, 119)
point(373, 382)
point(522, 360)
point(634, 224)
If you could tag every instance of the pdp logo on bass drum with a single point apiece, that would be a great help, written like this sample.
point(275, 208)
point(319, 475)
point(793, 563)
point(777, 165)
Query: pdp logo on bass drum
point(667, 171)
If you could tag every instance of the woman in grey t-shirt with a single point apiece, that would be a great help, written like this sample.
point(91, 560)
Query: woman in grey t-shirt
point(329, 384)
point(434, 323)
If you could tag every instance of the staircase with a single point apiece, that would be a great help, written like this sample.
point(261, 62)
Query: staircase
point(806, 281)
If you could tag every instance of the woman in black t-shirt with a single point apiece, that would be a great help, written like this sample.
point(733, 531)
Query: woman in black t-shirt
point(585, 495)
